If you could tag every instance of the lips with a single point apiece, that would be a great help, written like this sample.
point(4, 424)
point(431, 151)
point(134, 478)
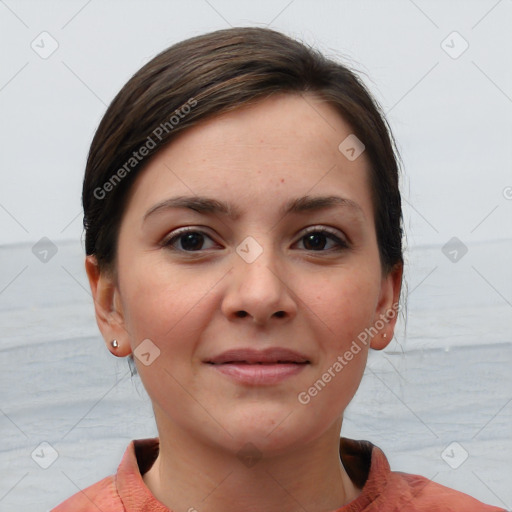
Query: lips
point(263, 357)
point(250, 367)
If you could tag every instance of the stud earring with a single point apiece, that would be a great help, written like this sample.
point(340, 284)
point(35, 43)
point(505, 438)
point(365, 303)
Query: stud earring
point(114, 343)
point(384, 336)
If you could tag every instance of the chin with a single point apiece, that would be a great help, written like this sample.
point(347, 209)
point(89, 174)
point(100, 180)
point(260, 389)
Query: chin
point(271, 428)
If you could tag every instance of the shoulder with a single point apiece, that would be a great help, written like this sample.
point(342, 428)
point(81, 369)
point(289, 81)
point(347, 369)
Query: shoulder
point(126, 486)
point(100, 496)
point(385, 490)
point(417, 493)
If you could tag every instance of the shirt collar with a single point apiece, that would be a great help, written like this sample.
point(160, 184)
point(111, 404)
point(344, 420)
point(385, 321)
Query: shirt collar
point(365, 464)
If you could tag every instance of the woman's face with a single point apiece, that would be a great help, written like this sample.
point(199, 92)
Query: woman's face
point(247, 266)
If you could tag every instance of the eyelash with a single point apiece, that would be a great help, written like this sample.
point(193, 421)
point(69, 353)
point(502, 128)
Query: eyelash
point(330, 234)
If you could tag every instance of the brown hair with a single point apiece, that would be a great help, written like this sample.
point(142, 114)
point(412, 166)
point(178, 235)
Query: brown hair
point(211, 74)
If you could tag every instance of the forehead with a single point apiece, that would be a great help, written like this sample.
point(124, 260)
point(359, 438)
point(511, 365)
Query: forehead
point(286, 145)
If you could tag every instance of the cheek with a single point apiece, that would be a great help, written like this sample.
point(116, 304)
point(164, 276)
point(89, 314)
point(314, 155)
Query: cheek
point(346, 306)
point(172, 307)
point(157, 301)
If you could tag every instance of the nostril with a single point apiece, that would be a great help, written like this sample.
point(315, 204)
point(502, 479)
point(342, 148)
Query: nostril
point(243, 314)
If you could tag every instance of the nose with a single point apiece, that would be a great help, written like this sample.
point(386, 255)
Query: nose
point(258, 292)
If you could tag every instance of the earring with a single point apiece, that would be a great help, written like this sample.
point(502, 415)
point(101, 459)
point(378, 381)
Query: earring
point(384, 336)
point(114, 343)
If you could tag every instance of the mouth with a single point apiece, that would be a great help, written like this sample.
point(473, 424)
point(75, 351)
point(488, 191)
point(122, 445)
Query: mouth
point(259, 367)
point(263, 357)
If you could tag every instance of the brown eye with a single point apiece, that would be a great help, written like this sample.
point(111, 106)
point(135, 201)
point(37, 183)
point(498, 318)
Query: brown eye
point(192, 241)
point(189, 241)
point(320, 240)
point(315, 241)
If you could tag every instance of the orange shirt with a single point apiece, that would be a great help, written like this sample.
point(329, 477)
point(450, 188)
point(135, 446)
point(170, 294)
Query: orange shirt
point(383, 490)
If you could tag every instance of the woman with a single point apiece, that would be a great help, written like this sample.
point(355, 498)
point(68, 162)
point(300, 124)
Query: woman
point(244, 248)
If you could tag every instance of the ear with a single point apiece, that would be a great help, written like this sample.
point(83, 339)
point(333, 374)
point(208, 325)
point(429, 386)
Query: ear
point(107, 307)
point(386, 313)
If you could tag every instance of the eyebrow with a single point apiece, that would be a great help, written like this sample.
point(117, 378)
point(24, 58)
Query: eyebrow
point(211, 206)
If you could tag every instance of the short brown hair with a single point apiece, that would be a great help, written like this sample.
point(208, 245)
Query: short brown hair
point(211, 74)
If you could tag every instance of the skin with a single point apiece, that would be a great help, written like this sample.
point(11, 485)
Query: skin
point(188, 304)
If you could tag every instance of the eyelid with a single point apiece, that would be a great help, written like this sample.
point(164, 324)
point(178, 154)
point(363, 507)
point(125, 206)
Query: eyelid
point(317, 228)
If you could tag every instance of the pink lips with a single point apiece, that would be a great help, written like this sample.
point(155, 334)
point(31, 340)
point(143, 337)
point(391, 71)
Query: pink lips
point(259, 367)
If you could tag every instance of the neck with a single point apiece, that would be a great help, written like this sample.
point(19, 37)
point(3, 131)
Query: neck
point(188, 476)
